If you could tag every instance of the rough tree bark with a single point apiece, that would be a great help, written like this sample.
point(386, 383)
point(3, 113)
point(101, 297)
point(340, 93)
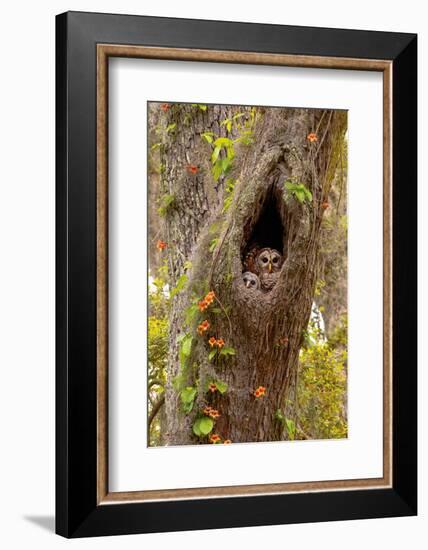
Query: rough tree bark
point(266, 329)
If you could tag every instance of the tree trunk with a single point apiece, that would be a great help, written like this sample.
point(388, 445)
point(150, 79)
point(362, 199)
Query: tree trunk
point(207, 244)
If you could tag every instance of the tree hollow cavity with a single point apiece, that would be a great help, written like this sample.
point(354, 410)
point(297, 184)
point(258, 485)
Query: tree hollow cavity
point(265, 229)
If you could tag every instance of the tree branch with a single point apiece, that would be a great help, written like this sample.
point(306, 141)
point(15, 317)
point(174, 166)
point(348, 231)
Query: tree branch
point(156, 407)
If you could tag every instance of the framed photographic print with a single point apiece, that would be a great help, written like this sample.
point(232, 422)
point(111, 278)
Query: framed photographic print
point(236, 274)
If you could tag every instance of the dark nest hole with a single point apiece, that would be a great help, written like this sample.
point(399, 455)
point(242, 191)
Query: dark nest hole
point(268, 230)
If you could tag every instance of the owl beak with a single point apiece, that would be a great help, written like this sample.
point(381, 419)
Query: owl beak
point(270, 267)
point(247, 284)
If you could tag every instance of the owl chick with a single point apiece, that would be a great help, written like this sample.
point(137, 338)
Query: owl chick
point(251, 280)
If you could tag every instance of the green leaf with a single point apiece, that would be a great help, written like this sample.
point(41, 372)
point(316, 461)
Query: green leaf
point(280, 416)
point(308, 195)
point(226, 123)
point(185, 349)
point(190, 313)
point(228, 351)
point(291, 428)
point(177, 382)
point(186, 345)
point(229, 185)
point(171, 127)
point(213, 245)
point(206, 425)
point(217, 169)
point(226, 165)
point(246, 138)
point(181, 283)
point(221, 386)
point(223, 142)
point(212, 354)
point(188, 394)
point(208, 136)
point(215, 154)
point(166, 203)
point(230, 151)
point(299, 191)
point(300, 196)
point(238, 115)
point(203, 426)
point(227, 203)
point(187, 407)
point(196, 429)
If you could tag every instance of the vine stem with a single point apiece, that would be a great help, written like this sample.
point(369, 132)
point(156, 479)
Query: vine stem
point(225, 312)
point(217, 252)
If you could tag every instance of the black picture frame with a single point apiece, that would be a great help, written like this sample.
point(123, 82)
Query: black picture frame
point(77, 511)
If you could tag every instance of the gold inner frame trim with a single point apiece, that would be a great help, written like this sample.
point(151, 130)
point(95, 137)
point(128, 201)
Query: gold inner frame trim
point(104, 51)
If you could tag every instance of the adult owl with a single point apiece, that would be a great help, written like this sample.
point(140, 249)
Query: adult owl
point(251, 280)
point(269, 262)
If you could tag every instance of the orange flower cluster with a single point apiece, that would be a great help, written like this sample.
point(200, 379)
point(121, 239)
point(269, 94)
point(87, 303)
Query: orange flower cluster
point(192, 169)
point(213, 413)
point(312, 137)
point(212, 387)
point(207, 301)
point(209, 298)
point(161, 245)
point(227, 442)
point(165, 107)
point(215, 438)
point(213, 341)
point(260, 391)
point(203, 327)
point(325, 205)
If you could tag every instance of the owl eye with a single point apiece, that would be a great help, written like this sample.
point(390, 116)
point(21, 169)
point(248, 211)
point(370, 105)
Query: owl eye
point(253, 282)
point(275, 260)
point(264, 260)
